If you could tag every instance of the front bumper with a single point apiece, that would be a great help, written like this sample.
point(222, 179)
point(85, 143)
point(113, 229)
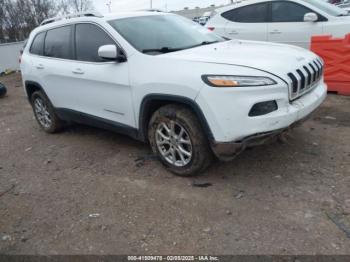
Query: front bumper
point(296, 113)
point(228, 151)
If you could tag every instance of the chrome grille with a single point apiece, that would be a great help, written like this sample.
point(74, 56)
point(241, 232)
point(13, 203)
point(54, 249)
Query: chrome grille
point(303, 79)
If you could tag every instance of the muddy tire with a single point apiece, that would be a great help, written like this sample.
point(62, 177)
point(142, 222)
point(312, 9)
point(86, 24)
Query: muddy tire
point(176, 136)
point(44, 113)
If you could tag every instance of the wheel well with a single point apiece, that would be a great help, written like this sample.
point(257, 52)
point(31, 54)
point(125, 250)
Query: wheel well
point(152, 103)
point(32, 87)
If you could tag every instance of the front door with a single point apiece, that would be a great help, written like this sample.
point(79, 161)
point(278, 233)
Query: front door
point(287, 24)
point(104, 89)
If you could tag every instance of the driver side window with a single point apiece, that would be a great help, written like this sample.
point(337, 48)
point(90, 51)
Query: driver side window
point(88, 39)
point(289, 12)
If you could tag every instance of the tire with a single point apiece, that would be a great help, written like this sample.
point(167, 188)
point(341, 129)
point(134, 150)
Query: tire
point(51, 123)
point(186, 126)
point(3, 90)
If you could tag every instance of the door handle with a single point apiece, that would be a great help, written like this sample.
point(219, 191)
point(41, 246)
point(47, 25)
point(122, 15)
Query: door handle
point(78, 71)
point(40, 66)
point(233, 32)
point(275, 32)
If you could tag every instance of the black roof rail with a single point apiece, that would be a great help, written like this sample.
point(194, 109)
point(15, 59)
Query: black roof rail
point(81, 14)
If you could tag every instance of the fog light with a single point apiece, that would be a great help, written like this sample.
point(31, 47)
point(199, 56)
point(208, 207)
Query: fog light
point(263, 108)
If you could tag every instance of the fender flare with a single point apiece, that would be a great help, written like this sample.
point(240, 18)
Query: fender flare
point(32, 83)
point(151, 98)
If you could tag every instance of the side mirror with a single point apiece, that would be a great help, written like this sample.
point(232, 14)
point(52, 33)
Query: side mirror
point(310, 17)
point(108, 52)
point(112, 53)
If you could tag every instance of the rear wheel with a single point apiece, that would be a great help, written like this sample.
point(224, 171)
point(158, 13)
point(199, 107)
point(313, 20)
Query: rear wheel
point(177, 138)
point(44, 113)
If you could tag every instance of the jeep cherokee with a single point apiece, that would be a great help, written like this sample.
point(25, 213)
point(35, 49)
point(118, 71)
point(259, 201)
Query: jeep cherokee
point(165, 80)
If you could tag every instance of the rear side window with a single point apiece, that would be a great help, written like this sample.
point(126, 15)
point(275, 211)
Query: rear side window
point(37, 47)
point(288, 12)
point(257, 13)
point(88, 39)
point(58, 43)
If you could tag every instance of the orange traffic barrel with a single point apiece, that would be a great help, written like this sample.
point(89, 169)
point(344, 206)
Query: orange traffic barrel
point(336, 54)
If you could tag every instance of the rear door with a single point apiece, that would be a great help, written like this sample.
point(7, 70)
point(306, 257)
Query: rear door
point(55, 67)
point(247, 22)
point(287, 24)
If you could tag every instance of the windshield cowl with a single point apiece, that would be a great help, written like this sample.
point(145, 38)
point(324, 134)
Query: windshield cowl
point(169, 50)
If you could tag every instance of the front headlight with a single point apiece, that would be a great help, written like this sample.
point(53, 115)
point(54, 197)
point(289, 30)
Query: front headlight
point(237, 81)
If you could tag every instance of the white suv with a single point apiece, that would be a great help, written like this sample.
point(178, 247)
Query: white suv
point(163, 79)
point(282, 21)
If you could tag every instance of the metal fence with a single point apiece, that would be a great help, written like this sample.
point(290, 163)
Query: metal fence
point(9, 54)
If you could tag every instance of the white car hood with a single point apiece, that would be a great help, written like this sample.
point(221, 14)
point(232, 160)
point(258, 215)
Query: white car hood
point(277, 59)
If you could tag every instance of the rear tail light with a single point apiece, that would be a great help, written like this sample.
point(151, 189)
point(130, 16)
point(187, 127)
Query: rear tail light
point(20, 56)
point(211, 28)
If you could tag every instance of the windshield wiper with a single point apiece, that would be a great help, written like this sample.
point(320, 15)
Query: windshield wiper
point(209, 42)
point(168, 49)
point(161, 50)
point(205, 43)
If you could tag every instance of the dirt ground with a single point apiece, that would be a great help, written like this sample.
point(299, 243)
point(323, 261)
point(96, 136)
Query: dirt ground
point(90, 191)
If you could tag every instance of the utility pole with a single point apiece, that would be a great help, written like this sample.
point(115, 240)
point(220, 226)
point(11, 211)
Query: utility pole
point(151, 4)
point(109, 3)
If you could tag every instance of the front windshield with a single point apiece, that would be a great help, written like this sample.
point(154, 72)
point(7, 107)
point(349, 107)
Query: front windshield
point(156, 34)
point(326, 7)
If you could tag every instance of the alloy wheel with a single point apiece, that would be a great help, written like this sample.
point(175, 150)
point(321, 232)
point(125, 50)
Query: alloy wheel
point(42, 113)
point(174, 143)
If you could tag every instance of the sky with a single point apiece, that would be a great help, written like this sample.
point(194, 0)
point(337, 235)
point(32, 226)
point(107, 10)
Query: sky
point(166, 5)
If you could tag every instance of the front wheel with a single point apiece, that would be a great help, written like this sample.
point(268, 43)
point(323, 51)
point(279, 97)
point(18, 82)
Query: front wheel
point(177, 138)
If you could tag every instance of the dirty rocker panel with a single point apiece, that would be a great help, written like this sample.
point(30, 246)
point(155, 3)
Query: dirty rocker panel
point(86, 119)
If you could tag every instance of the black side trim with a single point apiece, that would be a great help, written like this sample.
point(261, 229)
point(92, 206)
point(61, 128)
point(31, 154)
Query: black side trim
point(146, 106)
point(86, 119)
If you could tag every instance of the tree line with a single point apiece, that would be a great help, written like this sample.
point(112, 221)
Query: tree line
point(19, 17)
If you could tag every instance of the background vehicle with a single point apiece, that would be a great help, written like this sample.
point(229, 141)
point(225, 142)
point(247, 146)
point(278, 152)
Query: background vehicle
point(163, 79)
point(196, 19)
point(289, 21)
point(205, 18)
point(345, 5)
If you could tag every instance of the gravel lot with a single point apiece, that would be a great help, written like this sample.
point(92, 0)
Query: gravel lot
point(90, 191)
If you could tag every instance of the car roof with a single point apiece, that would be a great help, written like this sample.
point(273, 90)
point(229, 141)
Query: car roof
point(64, 20)
point(120, 15)
point(244, 3)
